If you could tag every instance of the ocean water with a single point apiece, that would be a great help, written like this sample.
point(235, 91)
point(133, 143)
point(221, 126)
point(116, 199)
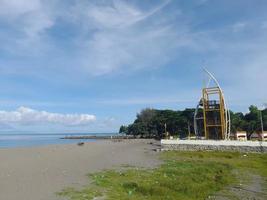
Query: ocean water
point(31, 140)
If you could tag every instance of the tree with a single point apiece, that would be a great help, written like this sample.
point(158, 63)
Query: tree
point(252, 119)
point(237, 122)
point(123, 129)
point(138, 129)
point(264, 118)
point(145, 122)
point(151, 122)
point(188, 115)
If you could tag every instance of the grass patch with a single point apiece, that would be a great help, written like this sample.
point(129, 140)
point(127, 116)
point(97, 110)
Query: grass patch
point(184, 175)
point(252, 162)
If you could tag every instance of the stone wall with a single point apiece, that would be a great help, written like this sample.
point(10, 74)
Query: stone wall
point(198, 145)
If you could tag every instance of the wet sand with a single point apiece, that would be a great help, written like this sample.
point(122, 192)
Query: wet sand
point(37, 173)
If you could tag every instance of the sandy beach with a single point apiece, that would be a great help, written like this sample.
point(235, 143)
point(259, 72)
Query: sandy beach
point(37, 173)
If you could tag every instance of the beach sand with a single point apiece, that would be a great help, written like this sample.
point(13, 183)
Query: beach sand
point(37, 173)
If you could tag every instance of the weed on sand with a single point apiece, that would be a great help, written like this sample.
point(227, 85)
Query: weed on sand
point(183, 175)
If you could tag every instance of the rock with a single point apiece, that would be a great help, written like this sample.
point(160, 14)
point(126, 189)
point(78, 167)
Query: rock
point(80, 144)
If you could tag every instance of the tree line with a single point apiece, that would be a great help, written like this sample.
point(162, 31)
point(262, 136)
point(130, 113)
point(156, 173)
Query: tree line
point(151, 123)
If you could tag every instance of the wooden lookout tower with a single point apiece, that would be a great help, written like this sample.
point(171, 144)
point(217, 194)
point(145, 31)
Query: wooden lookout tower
point(212, 118)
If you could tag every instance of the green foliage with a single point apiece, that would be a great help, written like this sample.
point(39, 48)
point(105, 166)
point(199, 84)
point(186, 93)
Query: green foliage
point(190, 179)
point(123, 129)
point(250, 122)
point(264, 117)
point(85, 194)
point(253, 162)
point(237, 121)
point(183, 175)
point(151, 122)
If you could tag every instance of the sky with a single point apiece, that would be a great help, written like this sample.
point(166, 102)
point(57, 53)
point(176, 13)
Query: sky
point(92, 65)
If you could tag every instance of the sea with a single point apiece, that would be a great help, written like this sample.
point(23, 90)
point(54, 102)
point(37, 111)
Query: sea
point(41, 139)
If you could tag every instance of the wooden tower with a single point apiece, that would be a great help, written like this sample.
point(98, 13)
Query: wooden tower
point(212, 117)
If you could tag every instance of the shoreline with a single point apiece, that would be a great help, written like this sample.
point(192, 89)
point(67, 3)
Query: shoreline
point(100, 137)
point(37, 173)
point(35, 140)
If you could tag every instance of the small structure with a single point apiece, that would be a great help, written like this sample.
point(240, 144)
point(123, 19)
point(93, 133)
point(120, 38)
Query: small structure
point(241, 136)
point(255, 137)
point(259, 136)
point(264, 136)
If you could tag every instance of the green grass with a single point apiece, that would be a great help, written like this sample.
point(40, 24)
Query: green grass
point(253, 162)
point(184, 175)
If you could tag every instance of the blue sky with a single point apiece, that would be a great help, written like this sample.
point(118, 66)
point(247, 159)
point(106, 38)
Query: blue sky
point(90, 66)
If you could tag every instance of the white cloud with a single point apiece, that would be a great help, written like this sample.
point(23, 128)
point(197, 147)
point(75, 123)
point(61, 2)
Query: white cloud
point(118, 35)
point(150, 100)
point(112, 36)
point(201, 2)
point(16, 8)
point(239, 26)
point(28, 20)
point(118, 14)
point(122, 36)
point(264, 25)
point(25, 115)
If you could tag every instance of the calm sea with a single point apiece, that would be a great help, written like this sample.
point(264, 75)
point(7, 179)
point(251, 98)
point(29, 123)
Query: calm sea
point(31, 140)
